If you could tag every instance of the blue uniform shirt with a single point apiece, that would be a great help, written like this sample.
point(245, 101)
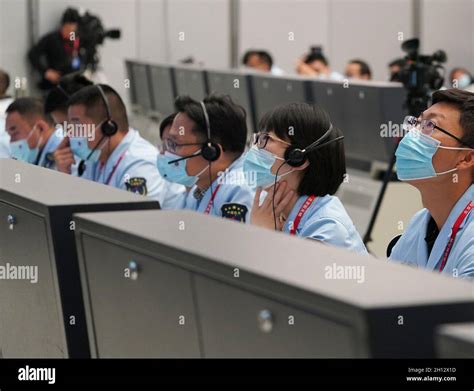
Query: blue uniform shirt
point(132, 167)
point(326, 220)
point(412, 247)
point(46, 159)
point(233, 199)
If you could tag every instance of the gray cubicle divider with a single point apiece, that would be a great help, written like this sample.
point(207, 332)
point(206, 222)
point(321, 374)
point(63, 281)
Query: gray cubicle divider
point(183, 284)
point(163, 89)
point(236, 84)
point(455, 340)
point(140, 90)
point(190, 81)
point(46, 318)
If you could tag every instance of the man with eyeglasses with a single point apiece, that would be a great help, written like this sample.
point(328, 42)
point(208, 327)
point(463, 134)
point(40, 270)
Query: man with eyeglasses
point(437, 157)
point(202, 150)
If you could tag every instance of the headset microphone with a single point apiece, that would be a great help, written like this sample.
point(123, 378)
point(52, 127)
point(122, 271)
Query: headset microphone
point(185, 157)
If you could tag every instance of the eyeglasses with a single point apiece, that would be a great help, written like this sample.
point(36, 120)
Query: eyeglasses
point(171, 145)
point(427, 127)
point(261, 140)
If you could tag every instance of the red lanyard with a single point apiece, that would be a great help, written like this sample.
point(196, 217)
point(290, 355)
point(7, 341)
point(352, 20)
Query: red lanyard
point(454, 232)
point(114, 168)
point(211, 201)
point(301, 213)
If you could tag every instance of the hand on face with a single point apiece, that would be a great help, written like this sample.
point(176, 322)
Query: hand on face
point(279, 196)
point(63, 157)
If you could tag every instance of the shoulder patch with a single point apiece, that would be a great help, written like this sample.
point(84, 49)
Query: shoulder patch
point(137, 185)
point(236, 212)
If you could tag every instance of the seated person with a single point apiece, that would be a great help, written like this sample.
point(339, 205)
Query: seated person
point(358, 69)
point(298, 158)
point(55, 103)
point(111, 152)
point(262, 61)
point(316, 64)
point(437, 157)
point(202, 151)
point(33, 138)
point(5, 101)
point(462, 78)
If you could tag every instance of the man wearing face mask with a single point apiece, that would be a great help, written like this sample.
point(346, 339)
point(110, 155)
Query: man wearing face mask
point(202, 151)
point(33, 138)
point(110, 152)
point(462, 79)
point(437, 157)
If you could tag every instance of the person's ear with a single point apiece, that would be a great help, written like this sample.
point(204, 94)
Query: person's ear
point(42, 126)
point(467, 162)
point(302, 167)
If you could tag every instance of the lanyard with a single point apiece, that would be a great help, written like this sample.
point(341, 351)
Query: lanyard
point(114, 168)
point(454, 232)
point(211, 201)
point(301, 213)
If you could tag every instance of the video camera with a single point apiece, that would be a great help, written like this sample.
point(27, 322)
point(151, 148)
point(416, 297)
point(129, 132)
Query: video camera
point(421, 75)
point(92, 34)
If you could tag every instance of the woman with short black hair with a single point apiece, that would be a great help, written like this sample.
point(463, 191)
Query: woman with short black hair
point(298, 159)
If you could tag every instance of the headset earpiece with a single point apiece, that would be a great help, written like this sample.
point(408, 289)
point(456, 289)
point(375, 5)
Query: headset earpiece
point(109, 127)
point(210, 151)
point(294, 157)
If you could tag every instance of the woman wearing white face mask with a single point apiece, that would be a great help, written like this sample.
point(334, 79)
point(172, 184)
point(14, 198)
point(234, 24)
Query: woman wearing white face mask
point(437, 157)
point(298, 158)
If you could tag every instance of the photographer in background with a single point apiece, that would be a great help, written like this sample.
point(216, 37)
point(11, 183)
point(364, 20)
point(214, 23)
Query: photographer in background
point(57, 53)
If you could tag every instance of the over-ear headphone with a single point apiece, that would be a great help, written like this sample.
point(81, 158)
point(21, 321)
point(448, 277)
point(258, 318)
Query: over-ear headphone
point(295, 157)
point(209, 150)
point(109, 127)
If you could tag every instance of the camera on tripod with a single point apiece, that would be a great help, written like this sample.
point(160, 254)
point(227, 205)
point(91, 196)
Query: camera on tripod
point(421, 75)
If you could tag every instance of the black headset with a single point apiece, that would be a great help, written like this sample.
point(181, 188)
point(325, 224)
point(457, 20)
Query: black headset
point(295, 156)
point(109, 128)
point(210, 151)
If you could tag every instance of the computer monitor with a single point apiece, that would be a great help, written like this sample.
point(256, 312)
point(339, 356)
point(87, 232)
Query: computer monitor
point(140, 91)
point(163, 89)
point(210, 287)
point(190, 81)
point(270, 91)
point(236, 84)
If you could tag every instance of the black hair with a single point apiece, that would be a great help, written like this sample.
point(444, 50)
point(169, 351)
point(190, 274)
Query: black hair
point(398, 62)
point(266, 57)
point(71, 15)
point(4, 82)
point(301, 124)
point(247, 55)
point(29, 107)
point(167, 121)
point(262, 54)
point(364, 67)
point(57, 98)
point(91, 98)
point(227, 120)
point(316, 54)
point(464, 102)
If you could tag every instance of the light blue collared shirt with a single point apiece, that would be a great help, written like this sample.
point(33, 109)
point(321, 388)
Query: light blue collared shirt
point(233, 198)
point(327, 221)
point(45, 158)
point(412, 247)
point(132, 167)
